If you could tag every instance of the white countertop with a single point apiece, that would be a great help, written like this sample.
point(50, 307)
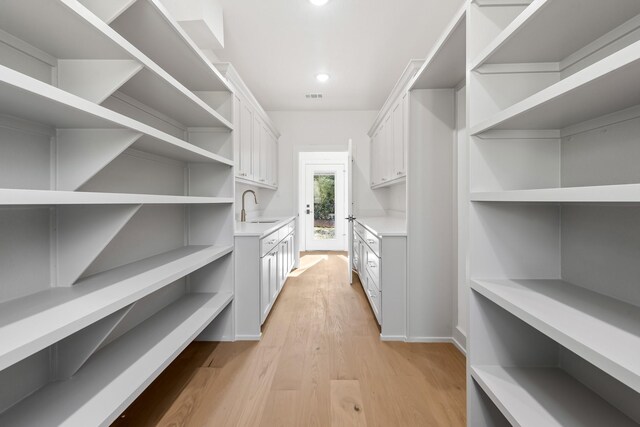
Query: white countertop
point(260, 230)
point(389, 226)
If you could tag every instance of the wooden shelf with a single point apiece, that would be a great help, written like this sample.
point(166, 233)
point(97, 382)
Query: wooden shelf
point(118, 373)
point(58, 26)
point(445, 67)
point(33, 100)
point(9, 197)
point(534, 35)
point(611, 81)
point(600, 329)
point(625, 193)
point(545, 397)
point(34, 322)
point(149, 26)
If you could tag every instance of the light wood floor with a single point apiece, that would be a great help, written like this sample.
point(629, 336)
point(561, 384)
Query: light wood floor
point(320, 363)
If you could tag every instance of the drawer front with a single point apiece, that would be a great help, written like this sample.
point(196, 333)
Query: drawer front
point(291, 227)
point(372, 241)
point(268, 243)
point(356, 254)
point(374, 297)
point(372, 265)
point(359, 228)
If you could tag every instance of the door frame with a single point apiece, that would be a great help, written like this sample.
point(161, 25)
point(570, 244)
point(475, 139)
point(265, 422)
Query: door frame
point(319, 158)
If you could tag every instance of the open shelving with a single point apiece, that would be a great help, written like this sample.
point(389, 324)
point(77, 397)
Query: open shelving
point(83, 70)
point(149, 26)
point(546, 397)
point(625, 193)
point(602, 330)
point(554, 188)
point(116, 212)
point(31, 323)
point(11, 197)
point(532, 37)
point(445, 65)
point(114, 376)
point(611, 81)
point(32, 100)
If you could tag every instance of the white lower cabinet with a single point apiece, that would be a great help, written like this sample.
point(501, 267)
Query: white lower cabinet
point(263, 263)
point(380, 261)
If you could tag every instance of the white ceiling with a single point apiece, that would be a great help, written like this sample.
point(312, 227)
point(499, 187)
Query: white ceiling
point(278, 46)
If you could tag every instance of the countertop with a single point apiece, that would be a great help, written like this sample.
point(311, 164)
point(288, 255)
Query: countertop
point(260, 230)
point(385, 226)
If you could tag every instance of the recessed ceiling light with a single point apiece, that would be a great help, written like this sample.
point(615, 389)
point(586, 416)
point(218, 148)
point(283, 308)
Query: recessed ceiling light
point(319, 2)
point(322, 77)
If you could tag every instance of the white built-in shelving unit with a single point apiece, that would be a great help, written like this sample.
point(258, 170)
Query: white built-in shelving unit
point(116, 205)
point(554, 186)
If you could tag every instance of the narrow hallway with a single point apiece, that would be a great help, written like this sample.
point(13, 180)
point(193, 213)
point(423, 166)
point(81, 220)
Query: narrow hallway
point(320, 363)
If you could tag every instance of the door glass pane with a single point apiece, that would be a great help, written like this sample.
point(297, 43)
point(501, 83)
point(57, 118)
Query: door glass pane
point(324, 206)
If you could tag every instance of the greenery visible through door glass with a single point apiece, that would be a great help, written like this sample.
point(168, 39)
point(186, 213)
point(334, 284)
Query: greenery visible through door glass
point(324, 206)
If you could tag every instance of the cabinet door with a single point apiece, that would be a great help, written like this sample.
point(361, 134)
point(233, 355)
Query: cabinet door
point(399, 139)
point(274, 161)
point(274, 278)
point(387, 150)
point(265, 154)
point(375, 157)
point(256, 150)
point(246, 169)
point(265, 274)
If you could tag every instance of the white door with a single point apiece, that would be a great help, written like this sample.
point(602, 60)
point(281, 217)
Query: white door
point(349, 215)
point(324, 215)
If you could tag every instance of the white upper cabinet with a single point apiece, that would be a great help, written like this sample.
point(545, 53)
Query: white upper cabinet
point(389, 134)
point(256, 148)
point(399, 135)
point(244, 140)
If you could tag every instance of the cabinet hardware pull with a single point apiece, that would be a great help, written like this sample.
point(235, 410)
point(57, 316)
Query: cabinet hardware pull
point(371, 241)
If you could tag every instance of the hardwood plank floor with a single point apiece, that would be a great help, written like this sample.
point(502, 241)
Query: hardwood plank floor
point(320, 363)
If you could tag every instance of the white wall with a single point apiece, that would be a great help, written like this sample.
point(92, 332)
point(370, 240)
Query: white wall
point(321, 131)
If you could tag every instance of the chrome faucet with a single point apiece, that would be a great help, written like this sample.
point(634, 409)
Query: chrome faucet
point(243, 213)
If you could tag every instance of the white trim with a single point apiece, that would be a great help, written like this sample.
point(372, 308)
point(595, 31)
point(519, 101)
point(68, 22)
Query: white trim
point(403, 85)
point(305, 158)
point(400, 338)
point(248, 337)
point(460, 339)
point(448, 340)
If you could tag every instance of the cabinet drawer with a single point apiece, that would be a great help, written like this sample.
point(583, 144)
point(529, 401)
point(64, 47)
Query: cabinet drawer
point(372, 241)
point(267, 243)
point(359, 228)
point(372, 265)
point(375, 298)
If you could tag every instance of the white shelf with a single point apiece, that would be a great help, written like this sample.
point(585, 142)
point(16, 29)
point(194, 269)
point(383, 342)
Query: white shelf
point(9, 197)
point(34, 322)
point(149, 26)
point(624, 193)
point(445, 67)
point(600, 329)
point(611, 81)
point(30, 99)
point(58, 26)
point(534, 35)
point(545, 397)
point(117, 374)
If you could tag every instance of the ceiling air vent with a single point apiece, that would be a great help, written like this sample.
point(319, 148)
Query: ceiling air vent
point(313, 96)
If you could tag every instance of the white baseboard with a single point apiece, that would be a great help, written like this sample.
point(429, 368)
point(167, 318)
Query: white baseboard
point(430, 339)
point(400, 338)
point(460, 340)
point(248, 337)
